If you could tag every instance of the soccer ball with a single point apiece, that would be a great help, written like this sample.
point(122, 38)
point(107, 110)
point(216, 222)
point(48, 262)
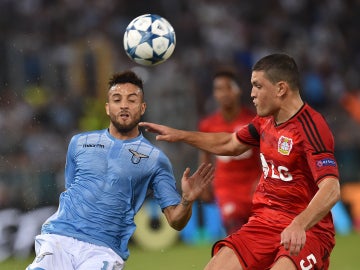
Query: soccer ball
point(149, 40)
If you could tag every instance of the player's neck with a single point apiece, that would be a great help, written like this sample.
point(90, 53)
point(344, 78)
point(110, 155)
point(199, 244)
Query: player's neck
point(124, 135)
point(288, 110)
point(230, 113)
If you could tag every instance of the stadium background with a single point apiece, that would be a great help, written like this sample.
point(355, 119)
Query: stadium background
point(56, 57)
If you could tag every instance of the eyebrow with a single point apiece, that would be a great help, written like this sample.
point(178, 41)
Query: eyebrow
point(117, 94)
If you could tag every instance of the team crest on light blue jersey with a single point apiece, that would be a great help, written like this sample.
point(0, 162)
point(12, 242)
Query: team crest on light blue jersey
point(136, 157)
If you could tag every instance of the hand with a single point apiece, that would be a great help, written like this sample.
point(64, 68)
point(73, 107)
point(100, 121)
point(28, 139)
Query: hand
point(165, 133)
point(192, 186)
point(293, 238)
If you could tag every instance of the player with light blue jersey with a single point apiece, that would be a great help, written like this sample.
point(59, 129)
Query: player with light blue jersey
point(107, 204)
point(108, 175)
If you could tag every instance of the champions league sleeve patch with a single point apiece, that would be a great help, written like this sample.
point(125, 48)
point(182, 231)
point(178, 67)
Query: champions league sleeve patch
point(325, 162)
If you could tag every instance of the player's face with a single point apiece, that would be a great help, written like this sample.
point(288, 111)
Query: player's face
point(264, 94)
point(226, 92)
point(125, 107)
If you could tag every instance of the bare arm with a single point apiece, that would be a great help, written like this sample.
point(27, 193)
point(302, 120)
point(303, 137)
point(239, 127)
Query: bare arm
point(192, 186)
point(293, 237)
point(221, 143)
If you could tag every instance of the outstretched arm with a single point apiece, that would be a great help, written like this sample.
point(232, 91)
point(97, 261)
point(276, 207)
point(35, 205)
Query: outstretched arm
point(192, 186)
point(221, 143)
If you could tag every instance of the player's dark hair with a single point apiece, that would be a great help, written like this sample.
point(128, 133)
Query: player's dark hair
point(127, 76)
point(228, 73)
point(279, 67)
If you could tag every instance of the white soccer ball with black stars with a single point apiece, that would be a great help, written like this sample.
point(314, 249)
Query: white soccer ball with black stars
point(149, 40)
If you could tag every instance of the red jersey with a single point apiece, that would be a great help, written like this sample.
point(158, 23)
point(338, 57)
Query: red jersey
point(235, 177)
point(295, 156)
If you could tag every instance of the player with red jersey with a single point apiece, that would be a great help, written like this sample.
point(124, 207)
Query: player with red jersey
point(296, 157)
point(235, 176)
point(290, 227)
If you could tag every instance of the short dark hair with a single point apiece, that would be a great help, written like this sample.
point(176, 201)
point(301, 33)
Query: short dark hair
point(279, 67)
point(228, 73)
point(127, 76)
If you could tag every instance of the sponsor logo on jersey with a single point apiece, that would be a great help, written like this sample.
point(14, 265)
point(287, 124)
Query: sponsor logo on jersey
point(136, 156)
point(96, 145)
point(325, 162)
point(285, 145)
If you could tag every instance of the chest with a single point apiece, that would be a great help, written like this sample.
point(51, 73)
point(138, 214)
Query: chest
point(114, 166)
point(282, 151)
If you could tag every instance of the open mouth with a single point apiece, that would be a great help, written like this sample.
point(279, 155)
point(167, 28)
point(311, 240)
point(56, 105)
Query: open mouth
point(124, 116)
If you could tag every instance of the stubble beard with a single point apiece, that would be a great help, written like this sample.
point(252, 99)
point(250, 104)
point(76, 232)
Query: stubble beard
point(125, 128)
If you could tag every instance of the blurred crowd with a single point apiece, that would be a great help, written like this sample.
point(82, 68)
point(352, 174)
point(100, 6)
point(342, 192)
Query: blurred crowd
point(57, 55)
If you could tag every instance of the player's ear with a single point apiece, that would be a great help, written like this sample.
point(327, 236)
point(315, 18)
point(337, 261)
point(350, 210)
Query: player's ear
point(107, 108)
point(282, 88)
point(143, 108)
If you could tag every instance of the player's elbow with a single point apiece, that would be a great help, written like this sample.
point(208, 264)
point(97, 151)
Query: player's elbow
point(175, 220)
point(337, 193)
point(333, 189)
point(177, 225)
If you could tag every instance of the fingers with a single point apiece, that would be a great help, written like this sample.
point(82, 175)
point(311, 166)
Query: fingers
point(162, 131)
point(193, 185)
point(205, 170)
point(204, 173)
point(150, 127)
point(162, 137)
point(186, 173)
point(209, 172)
point(295, 247)
point(144, 124)
point(293, 243)
point(285, 242)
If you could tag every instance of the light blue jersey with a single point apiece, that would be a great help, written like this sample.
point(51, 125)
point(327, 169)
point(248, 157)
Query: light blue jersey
point(107, 181)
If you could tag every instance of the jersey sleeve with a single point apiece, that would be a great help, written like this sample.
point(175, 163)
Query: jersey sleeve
point(319, 145)
point(164, 184)
point(250, 133)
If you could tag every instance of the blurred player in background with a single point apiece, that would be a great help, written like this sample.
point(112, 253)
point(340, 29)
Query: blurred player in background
point(291, 226)
point(108, 175)
point(235, 176)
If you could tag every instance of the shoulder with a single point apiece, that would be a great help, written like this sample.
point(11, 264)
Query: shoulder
point(157, 159)
point(314, 129)
point(89, 133)
point(261, 121)
point(151, 149)
point(311, 120)
point(88, 136)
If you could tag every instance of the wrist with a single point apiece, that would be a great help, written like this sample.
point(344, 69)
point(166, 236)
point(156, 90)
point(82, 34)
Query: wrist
point(297, 221)
point(185, 202)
